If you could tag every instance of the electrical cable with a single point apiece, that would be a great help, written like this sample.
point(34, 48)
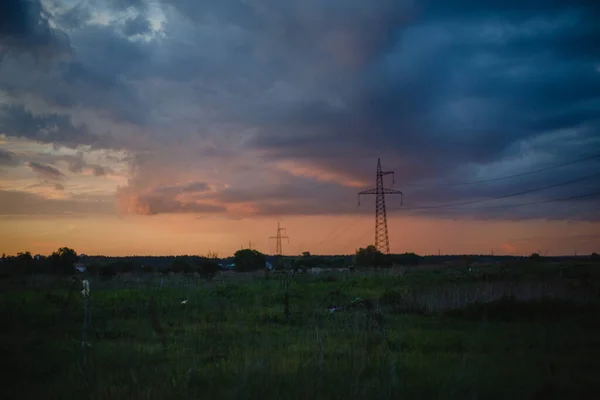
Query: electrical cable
point(539, 202)
point(502, 197)
point(508, 176)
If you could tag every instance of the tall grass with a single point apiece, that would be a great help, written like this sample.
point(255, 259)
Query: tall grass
point(232, 339)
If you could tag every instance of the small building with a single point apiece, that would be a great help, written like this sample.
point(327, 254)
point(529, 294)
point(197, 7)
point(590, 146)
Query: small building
point(80, 267)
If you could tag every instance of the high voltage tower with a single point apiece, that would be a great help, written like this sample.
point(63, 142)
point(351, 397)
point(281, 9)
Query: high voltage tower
point(382, 242)
point(249, 245)
point(279, 237)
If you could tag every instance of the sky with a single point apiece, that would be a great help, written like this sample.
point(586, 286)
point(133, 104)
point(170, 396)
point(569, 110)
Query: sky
point(164, 127)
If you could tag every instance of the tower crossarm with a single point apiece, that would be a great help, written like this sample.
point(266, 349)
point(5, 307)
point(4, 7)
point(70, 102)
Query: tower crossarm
point(280, 237)
point(383, 191)
point(383, 173)
point(369, 191)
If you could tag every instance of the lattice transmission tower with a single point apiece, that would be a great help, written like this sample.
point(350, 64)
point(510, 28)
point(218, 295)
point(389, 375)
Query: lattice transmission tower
point(382, 242)
point(279, 236)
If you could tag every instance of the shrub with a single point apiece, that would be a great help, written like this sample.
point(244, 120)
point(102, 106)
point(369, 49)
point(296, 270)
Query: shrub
point(208, 268)
point(535, 257)
point(247, 260)
point(368, 257)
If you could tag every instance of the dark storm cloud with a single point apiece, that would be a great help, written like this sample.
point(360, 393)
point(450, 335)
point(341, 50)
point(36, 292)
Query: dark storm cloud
point(98, 76)
point(447, 94)
point(24, 27)
point(75, 17)
point(46, 171)
point(442, 91)
point(474, 9)
point(16, 121)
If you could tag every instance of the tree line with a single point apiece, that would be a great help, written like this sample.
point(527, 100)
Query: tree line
point(64, 260)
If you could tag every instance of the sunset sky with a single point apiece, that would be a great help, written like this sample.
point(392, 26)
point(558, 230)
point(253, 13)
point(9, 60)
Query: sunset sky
point(154, 127)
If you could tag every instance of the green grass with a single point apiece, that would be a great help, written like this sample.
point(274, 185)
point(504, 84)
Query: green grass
point(232, 341)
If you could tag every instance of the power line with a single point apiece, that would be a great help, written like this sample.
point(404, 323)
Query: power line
point(347, 221)
point(540, 201)
point(464, 203)
point(509, 176)
point(337, 232)
point(544, 201)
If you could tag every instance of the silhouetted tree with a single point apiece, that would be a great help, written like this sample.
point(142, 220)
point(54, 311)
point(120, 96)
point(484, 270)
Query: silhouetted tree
point(249, 260)
point(63, 260)
point(208, 268)
point(24, 263)
point(368, 257)
point(535, 257)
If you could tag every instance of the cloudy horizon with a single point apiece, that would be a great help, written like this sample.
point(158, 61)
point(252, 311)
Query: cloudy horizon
point(179, 127)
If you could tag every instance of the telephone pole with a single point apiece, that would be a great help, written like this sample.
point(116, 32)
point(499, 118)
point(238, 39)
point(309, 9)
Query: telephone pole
point(279, 237)
point(382, 242)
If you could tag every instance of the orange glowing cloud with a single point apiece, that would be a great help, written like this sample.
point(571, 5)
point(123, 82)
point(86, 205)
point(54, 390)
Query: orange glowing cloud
point(307, 171)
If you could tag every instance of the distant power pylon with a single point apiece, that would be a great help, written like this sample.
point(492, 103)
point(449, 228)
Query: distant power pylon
point(279, 237)
point(382, 242)
point(249, 245)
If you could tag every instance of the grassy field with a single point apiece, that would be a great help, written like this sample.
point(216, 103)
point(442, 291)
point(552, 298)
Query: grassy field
point(512, 332)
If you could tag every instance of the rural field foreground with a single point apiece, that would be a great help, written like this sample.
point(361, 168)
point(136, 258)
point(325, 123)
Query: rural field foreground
point(525, 330)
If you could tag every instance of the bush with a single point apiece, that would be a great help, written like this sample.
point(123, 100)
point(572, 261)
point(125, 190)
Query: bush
point(208, 268)
point(535, 257)
point(247, 260)
point(62, 260)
